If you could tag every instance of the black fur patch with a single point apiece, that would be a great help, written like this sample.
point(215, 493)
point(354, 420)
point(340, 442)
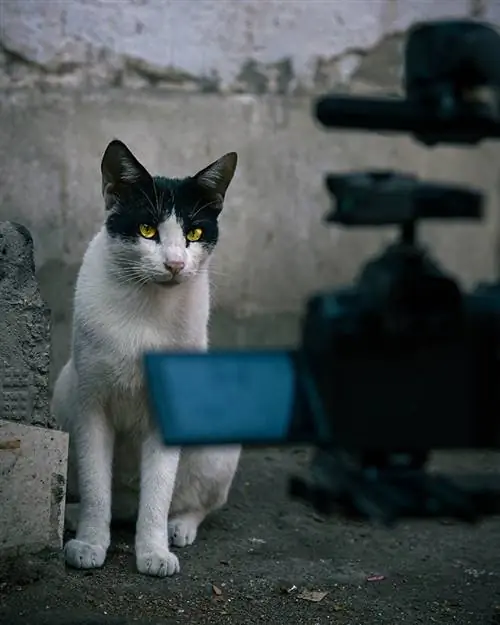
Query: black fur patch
point(147, 203)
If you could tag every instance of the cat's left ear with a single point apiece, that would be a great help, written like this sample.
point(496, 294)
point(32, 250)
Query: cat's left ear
point(119, 167)
point(217, 177)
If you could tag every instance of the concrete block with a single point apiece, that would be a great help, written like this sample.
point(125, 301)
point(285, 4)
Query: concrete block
point(24, 332)
point(33, 465)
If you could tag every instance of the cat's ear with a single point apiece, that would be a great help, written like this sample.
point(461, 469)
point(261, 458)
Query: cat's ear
point(120, 167)
point(217, 177)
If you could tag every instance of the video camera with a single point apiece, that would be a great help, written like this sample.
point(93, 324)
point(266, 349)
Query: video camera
point(402, 362)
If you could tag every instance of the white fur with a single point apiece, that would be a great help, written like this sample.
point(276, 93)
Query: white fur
point(121, 309)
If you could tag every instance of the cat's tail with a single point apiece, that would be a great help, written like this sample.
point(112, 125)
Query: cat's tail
point(63, 396)
point(63, 407)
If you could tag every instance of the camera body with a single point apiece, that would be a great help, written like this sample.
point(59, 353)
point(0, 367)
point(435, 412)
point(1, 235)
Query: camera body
point(404, 359)
point(404, 345)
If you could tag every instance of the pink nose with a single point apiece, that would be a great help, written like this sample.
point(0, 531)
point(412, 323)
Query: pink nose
point(174, 266)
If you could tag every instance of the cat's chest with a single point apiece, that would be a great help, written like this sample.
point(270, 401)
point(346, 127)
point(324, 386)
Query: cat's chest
point(122, 366)
point(128, 409)
point(129, 343)
point(129, 339)
point(127, 401)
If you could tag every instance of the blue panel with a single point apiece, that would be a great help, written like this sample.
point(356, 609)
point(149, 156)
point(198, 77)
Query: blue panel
point(221, 397)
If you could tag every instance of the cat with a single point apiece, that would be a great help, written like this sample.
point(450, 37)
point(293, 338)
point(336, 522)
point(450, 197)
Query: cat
point(143, 285)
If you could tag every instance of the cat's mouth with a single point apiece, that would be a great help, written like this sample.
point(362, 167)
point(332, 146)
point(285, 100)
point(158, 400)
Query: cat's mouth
point(168, 285)
point(168, 282)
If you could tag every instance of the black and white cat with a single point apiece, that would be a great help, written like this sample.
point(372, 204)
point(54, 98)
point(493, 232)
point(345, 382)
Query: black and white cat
point(143, 285)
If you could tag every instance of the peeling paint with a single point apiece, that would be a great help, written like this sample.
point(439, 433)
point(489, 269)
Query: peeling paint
point(103, 69)
point(155, 74)
point(383, 67)
point(252, 79)
point(337, 71)
point(478, 8)
point(259, 78)
point(284, 77)
point(253, 47)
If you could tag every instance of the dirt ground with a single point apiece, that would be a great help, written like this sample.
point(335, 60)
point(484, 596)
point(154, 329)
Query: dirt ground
point(263, 559)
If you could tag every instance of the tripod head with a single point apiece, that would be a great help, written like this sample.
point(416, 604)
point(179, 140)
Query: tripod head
point(451, 84)
point(378, 198)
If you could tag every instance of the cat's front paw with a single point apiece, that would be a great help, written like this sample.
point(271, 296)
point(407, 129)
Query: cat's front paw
point(158, 563)
point(182, 530)
point(81, 555)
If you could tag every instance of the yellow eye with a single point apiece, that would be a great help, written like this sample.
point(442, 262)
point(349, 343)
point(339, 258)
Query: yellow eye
point(194, 235)
point(147, 231)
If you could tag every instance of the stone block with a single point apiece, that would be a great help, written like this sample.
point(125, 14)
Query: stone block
point(33, 465)
point(24, 332)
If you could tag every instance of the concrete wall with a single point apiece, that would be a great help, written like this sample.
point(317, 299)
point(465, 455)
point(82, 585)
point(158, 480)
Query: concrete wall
point(182, 82)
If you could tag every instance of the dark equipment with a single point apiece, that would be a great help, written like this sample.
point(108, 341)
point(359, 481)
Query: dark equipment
point(399, 364)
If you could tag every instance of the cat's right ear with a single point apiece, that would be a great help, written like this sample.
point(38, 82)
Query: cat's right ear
point(119, 167)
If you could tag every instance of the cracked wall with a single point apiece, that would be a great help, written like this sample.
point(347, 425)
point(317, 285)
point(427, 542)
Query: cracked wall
point(237, 46)
point(183, 82)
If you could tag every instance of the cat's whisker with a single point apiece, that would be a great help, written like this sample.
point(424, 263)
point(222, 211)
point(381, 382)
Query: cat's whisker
point(158, 205)
point(213, 272)
point(129, 274)
point(154, 212)
point(131, 280)
point(162, 199)
point(173, 202)
point(135, 274)
point(128, 271)
point(193, 215)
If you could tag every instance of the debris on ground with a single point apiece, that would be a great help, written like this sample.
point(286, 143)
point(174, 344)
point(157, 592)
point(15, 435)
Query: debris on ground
point(312, 595)
point(375, 578)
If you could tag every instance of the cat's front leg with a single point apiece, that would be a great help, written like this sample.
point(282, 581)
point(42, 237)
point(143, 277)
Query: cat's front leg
point(158, 472)
point(93, 439)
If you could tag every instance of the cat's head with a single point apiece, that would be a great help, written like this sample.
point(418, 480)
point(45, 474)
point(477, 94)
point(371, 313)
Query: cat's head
point(161, 230)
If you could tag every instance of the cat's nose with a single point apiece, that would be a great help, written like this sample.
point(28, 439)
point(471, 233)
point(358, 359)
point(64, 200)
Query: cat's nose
point(174, 266)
